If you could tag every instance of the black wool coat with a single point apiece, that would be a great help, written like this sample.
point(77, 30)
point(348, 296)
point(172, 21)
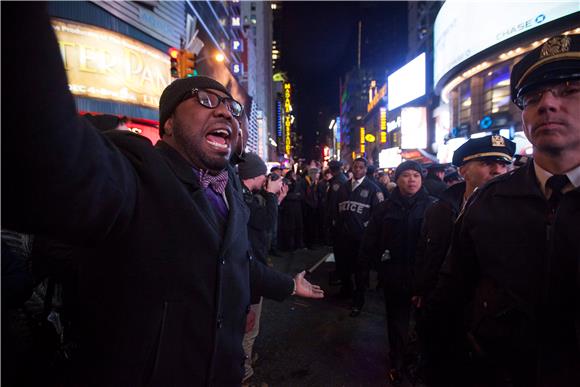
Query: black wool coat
point(435, 238)
point(517, 272)
point(394, 226)
point(166, 287)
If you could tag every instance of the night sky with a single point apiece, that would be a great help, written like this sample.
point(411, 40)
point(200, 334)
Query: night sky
point(318, 43)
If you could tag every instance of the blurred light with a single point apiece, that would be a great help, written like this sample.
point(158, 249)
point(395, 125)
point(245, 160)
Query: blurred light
point(220, 57)
point(173, 52)
point(480, 134)
point(274, 6)
point(332, 123)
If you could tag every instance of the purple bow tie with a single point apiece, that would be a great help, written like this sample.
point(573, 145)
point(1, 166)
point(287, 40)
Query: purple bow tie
point(218, 182)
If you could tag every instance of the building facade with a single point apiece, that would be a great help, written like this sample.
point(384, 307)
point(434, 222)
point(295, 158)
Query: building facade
point(475, 48)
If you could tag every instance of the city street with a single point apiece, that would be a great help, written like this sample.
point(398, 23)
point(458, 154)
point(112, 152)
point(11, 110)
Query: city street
point(315, 342)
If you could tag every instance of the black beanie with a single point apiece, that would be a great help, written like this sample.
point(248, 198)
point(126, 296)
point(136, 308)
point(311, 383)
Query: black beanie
point(176, 91)
point(252, 166)
point(406, 165)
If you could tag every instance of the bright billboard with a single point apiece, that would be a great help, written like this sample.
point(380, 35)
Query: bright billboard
point(407, 83)
point(463, 29)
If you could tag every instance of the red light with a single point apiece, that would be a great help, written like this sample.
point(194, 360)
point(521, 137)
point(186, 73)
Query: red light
point(173, 52)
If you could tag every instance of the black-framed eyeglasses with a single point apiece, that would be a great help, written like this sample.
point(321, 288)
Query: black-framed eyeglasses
point(566, 89)
point(212, 100)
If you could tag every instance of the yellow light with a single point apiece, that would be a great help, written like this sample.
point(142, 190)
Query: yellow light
point(174, 53)
point(220, 57)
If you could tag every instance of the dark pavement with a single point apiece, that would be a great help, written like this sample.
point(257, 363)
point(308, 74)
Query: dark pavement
point(305, 342)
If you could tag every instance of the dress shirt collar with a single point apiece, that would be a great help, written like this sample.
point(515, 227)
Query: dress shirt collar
point(356, 183)
point(542, 175)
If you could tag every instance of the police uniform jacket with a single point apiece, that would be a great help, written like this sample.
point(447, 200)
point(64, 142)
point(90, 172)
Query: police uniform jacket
point(331, 211)
point(355, 207)
point(519, 270)
point(435, 238)
point(395, 226)
point(166, 290)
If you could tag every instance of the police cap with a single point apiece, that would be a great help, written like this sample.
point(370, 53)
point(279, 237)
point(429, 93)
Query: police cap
point(557, 60)
point(494, 147)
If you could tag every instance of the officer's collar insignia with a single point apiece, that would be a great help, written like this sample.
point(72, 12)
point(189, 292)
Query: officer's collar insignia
point(555, 45)
point(497, 140)
point(364, 193)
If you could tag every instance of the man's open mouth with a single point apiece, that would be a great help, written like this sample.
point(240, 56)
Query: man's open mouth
point(219, 138)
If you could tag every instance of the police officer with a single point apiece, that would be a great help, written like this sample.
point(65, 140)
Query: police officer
point(515, 253)
point(357, 199)
point(478, 160)
point(331, 210)
point(389, 242)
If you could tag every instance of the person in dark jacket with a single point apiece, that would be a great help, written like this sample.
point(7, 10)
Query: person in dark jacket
point(434, 183)
point(290, 222)
point(514, 256)
point(338, 178)
point(260, 195)
point(389, 242)
point(311, 207)
point(357, 199)
point(166, 286)
point(479, 160)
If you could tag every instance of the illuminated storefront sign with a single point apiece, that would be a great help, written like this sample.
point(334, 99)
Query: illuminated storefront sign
point(390, 158)
point(362, 140)
point(414, 128)
point(261, 133)
point(463, 29)
point(394, 124)
point(407, 83)
point(376, 99)
point(383, 124)
point(337, 137)
point(108, 65)
point(279, 120)
point(287, 119)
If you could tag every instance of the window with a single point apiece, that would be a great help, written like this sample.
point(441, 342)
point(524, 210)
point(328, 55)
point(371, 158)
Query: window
point(496, 89)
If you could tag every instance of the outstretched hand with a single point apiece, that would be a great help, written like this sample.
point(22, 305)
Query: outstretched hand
point(306, 289)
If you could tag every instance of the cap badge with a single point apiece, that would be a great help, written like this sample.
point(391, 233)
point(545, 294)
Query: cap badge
point(555, 45)
point(497, 140)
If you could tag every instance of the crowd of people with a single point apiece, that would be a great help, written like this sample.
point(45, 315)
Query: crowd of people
point(157, 254)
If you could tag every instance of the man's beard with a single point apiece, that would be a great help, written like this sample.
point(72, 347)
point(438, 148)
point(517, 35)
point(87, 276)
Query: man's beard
point(192, 146)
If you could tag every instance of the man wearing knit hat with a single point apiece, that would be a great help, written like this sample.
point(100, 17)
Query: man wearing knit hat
point(514, 257)
point(389, 242)
point(164, 285)
point(479, 160)
point(261, 197)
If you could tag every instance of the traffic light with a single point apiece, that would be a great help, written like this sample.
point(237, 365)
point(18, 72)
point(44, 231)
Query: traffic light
point(174, 54)
point(187, 63)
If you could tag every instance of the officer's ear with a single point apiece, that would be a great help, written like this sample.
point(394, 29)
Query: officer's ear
point(463, 170)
